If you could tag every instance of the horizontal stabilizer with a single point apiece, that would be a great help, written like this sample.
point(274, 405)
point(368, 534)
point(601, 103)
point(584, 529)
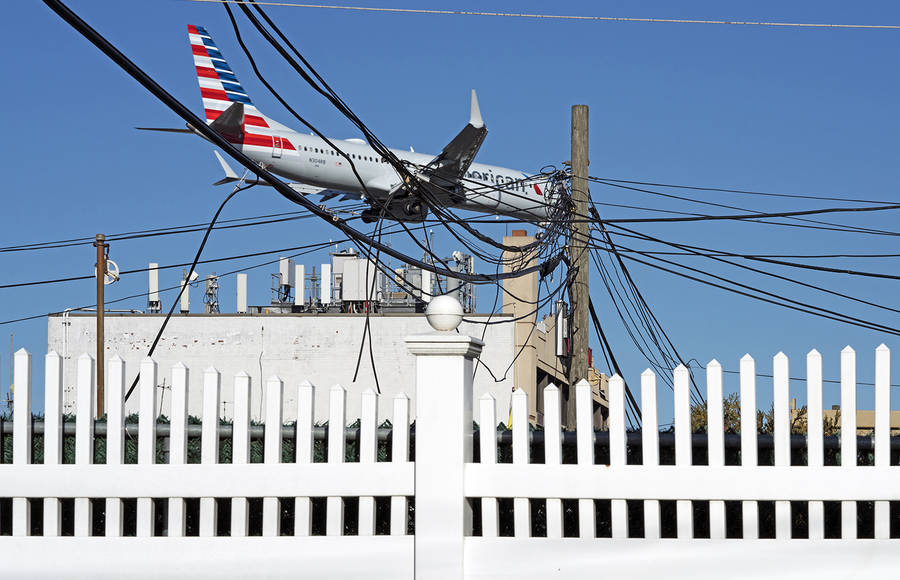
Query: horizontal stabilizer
point(230, 175)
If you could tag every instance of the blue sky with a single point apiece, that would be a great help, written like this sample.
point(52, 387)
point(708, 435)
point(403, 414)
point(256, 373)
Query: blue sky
point(773, 109)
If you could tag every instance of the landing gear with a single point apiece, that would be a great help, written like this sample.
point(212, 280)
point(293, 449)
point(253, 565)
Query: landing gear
point(370, 216)
point(401, 211)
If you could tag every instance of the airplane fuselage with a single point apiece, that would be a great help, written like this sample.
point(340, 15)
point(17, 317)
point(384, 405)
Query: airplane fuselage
point(309, 159)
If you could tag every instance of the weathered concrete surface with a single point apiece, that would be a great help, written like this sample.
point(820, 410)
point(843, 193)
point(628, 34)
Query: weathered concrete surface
point(322, 349)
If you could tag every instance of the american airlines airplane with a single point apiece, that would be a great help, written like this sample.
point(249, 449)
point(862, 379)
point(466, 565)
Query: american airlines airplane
point(314, 168)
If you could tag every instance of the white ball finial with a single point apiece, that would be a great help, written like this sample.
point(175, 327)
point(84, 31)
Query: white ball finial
point(444, 313)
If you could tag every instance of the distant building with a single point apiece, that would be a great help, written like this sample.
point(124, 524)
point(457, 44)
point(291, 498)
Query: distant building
point(865, 419)
point(313, 329)
point(537, 364)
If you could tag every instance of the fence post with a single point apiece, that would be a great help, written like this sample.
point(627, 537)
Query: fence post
point(444, 373)
point(21, 523)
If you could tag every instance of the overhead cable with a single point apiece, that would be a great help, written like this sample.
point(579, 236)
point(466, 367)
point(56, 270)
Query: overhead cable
point(561, 16)
point(188, 116)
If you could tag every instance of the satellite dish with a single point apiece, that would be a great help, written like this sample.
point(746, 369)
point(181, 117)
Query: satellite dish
point(112, 272)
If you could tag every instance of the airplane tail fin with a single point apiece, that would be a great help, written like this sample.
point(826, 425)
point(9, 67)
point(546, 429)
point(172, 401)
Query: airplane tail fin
point(219, 86)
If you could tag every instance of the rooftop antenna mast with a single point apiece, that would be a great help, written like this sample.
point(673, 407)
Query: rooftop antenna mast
point(211, 295)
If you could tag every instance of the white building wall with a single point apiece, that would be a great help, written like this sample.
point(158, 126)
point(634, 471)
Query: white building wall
point(322, 349)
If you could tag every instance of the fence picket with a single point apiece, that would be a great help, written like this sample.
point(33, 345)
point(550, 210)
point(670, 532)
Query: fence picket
point(305, 414)
point(368, 448)
point(650, 447)
point(84, 436)
point(209, 445)
point(146, 440)
point(272, 452)
point(52, 435)
point(617, 450)
point(848, 434)
point(683, 508)
point(521, 448)
point(782, 434)
point(400, 454)
point(115, 438)
point(584, 426)
point(716, 442)
point(337, 411)
point(487, 419)
point(882, 434)
point(553, 455)
point(486, 482)
point(21, 435)
point(178, 443)
point(240, 449)
point(814, 432)
point(749, 456)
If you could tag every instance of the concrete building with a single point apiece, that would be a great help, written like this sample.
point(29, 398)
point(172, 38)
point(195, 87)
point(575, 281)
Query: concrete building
point(312, 331)
point(537, 364)
point(322, 349)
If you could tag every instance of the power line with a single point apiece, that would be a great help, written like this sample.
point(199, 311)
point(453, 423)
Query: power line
point(893, 206)
point(561, 16)
point(644, 309)
point(741, 191)
point(306, 249)
point(167, 230)
point(789, 304)
point(422, 192)
point(313, 248)
point(719, 258)
point(239, 187)
point(759, 374)
point(831, 225)
point(416, 187)
point(169, 266)
point(799, 265)
point(607, 351)
point(280, 187)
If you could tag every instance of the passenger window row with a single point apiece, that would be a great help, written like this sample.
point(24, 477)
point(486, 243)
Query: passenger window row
point(352, 155)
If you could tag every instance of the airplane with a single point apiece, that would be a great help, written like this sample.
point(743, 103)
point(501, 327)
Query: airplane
point(313, 167)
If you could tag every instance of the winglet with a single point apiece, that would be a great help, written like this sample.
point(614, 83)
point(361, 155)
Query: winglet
point(475, 116)
point(230, 175)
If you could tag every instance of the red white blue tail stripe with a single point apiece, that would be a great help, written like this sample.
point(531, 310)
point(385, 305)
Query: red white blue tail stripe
point(219, 86)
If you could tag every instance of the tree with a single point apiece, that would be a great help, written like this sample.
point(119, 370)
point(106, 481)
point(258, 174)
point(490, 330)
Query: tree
point(765, 420)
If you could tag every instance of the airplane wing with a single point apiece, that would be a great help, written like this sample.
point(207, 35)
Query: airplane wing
point(457, 156)
point(326, 193)
point(301, 188)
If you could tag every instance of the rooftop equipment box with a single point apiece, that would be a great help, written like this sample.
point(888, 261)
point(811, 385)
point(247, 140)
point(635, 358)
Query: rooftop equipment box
point(358, 279)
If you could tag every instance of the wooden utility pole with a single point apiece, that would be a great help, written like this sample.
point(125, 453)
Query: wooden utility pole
point(102, 247)
point(578, 256)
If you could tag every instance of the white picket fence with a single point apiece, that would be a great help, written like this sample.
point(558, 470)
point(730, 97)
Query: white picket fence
point(490, 556)
point(444, 484)
point(238, 556)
